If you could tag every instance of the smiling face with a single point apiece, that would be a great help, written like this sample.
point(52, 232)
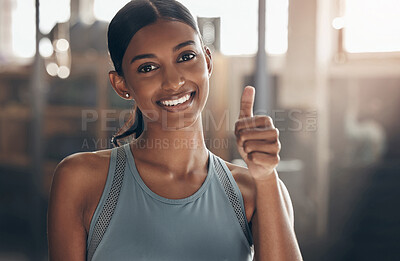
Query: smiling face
point(166, 71)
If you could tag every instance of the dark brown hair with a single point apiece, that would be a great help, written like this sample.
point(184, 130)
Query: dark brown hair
point(131, 18)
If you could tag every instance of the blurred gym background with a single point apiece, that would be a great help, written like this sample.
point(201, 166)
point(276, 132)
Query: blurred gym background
point(326, 71)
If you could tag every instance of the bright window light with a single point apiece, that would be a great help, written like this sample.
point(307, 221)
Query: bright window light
point(52, 12)
point(23, 23)
point(277, 26)
point(372, 26)
point(238, 27)
point(23, 28)
point(239, 22)
point(105, 9)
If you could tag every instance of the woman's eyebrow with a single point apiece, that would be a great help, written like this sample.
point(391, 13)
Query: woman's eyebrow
point(181, 45)
point(150, 55)
point(142, 56)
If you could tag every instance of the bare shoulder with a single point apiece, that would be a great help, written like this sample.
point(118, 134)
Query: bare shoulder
point(82, 176)
point(78, 171)
point(88, 159)
point(78, 182)
point(246, 185)
point(77, 185)
point(84, 160)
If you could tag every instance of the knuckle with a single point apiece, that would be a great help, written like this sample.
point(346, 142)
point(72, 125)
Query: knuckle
point(276, 133)
point(276, 159)
point(267, 120)
point(264, 121)
point(257, 121)
point(260, 118)
point(237, 123)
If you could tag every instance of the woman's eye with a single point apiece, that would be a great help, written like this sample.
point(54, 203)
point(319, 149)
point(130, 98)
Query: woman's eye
point(186, 57)
point(147, 68)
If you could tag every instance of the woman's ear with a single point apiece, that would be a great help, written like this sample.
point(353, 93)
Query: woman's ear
point(208, 55)
point(118, 83)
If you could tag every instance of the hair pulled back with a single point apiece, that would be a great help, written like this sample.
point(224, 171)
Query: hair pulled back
point(126, 23)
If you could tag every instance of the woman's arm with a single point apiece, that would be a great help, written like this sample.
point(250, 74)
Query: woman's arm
point(258, 144)
point(273, 232)
point(66, 231)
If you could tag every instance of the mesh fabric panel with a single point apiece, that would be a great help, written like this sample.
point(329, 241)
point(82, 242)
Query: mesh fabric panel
point(233, 197)
point(109, 206)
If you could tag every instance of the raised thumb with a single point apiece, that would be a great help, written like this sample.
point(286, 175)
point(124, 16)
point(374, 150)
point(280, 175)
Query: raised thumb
point(247, 102)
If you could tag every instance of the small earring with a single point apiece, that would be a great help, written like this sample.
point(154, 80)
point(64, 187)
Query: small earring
point(127, 95)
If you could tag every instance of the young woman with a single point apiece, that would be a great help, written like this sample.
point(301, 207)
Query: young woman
point(156, 198)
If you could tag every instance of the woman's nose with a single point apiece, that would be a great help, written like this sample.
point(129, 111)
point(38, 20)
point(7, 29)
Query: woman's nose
point(173, 80)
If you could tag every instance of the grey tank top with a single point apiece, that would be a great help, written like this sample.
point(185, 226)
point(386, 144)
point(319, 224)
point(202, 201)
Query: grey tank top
point(131, 222)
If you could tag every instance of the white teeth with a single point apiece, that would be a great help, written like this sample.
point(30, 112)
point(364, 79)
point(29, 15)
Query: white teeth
point(176, 102)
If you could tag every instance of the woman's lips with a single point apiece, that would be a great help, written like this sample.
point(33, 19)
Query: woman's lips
point(178, 103)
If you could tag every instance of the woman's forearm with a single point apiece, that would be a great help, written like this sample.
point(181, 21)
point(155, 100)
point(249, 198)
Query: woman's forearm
point(273, 231)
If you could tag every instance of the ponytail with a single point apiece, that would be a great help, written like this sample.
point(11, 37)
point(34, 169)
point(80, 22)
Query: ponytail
point(133, 126)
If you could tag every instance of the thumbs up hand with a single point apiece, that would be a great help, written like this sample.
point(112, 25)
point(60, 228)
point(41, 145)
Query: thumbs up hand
point(257, 138)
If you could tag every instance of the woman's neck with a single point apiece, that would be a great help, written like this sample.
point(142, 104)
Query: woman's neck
point(179, 152)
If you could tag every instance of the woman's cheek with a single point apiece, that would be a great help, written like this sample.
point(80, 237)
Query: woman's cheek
point(198, 70)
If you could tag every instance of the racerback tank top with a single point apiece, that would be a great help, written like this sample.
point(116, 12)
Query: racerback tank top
point(131, 222)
